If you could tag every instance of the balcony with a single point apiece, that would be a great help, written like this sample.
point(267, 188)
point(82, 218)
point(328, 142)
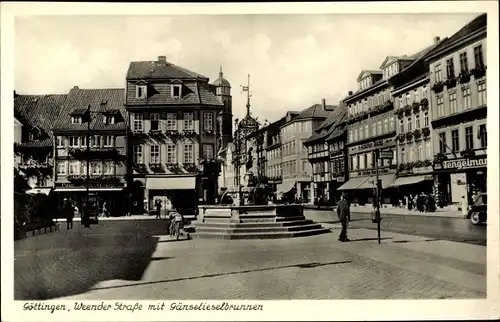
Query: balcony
point(35, 168)
point(451, 82)
point(438, 87)
point(379, 109)
point(95, 153)
point(479, 72)
point(464, 77)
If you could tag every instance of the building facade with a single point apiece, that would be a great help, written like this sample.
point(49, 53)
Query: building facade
point(413, 127)
point(319, 158)
point(34, 154)
point(458, 103)
point(89, 144)
point(172, 115)
point(339, 172)
point(296, 169)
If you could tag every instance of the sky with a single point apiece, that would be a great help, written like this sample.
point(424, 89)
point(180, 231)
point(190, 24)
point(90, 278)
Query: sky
point(293, 60)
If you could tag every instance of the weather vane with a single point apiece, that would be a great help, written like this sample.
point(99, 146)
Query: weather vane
point(247, 89)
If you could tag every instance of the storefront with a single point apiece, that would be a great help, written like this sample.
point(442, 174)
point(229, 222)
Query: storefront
point(99, 195)
point(177, 192)
point(454, 178)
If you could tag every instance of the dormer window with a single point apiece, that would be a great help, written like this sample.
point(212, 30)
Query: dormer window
point(176, 91)
point(76, 120)
point(141, 91)
point(109, 119)
point(34, 135)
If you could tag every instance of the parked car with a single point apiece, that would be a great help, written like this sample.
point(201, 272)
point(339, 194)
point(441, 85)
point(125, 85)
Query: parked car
point(478, 209)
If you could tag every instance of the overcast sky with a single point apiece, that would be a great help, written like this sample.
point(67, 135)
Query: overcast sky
point(294, 60)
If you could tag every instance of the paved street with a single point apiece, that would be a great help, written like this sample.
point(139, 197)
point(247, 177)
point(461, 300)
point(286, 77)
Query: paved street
point(453, 229)
point(122, 260)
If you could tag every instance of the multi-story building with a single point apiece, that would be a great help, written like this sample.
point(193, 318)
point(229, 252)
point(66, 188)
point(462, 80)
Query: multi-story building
point(319, 157)
point(339, 173)
point(371, 127)
point(89, 138)
point(458, 113)
point(172, 115)
point(296, 169)
point(34, 117)
point(413, 127)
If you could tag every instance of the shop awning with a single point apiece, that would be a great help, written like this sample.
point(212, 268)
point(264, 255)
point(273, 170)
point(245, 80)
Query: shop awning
point(285, 186)
point(353, 183)
point(35, 191)
point(387, 180)
point(409, 180)
point(85, 189)
point(172, 183)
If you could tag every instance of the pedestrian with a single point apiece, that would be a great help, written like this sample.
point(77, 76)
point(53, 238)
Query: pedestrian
point(465, 206)
point(70, 213)
point(158, 209)
point(105, 210)
point(343, 213)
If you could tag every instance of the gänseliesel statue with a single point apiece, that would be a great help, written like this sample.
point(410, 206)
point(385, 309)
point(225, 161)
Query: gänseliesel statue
point(249, 160)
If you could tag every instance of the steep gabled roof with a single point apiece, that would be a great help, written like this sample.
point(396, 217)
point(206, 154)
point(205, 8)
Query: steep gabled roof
point(315, 111)
point(368, 72)
point(328, 127)
point(78, 99)
point(39, 110)
point(160, 70)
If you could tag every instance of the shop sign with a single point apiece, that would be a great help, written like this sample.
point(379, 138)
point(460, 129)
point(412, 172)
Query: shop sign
point(340, 179)
point(371, 145)
point(462, 163)
point(92, 185)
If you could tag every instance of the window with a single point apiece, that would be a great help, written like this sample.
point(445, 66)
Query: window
point(455, 146)
point(171, 153)
point(467, 98)
point(379, 127)
point(417, 97)
point(424, 92)
point(188, 121)
point(401, 126)
point(464, 65)
point(386, 126)
point(362, 161)
point(403, 155)
point(374, 129)
point(109, 168)
point(453, 103)
point(428, 150)
point(440, 106)
point(61, 167)
point(367, 134)
point(155, 154)
point(437, 73)
point(354, 163)
point(95, 141)
point(481, 94)
point(450, 69)
point(410, 155)
point(426, 119)
point(355, 134)
point(140, 91)
point(107, 140)
point(208, 151)
point(482, 135)
point(208, 120)
point(74, 141)
point(420, 151)
point(360, 133)
point(478, 56)
point(138, 126)
point(74, 167)
point(176, 91)
point(417, 122)
point(83, 141)
point(60, 141)
point(188, 153)
point(155, 121)
point(351, 135)
point(171, 121)
point(109, 119)
point(137, 154)
point(97, 168)
point(369, 160)
point(469, 138)
point(76, 120)
point(442, 142)
point(408, 124)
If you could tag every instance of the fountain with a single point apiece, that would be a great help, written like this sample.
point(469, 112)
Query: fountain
point(247, 213)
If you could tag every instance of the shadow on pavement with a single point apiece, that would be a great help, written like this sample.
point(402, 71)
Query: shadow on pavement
point(71, 262)
point(363, 239)
point(306, 265)
point(414, 241)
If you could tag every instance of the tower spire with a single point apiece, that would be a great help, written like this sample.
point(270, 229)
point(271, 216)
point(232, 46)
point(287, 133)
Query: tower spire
point(220, 72)
point(248, 96)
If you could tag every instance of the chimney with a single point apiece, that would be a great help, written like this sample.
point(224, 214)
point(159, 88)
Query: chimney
point(162, 59)
point(350, 93)
point(436, 40)
point(323, 104)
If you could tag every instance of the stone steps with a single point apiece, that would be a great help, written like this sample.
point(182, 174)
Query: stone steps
point(260, 235)
point(228, 225)
point(257, 229)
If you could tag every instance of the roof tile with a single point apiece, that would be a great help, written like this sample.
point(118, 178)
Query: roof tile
point(158, 70)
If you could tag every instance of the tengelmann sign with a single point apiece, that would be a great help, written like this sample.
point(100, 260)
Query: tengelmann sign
point(460, 164)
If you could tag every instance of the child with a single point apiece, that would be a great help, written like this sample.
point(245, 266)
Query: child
point(178, 222)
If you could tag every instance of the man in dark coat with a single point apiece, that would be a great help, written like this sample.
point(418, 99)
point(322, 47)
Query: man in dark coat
point(70, 213)
point(344, 214)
